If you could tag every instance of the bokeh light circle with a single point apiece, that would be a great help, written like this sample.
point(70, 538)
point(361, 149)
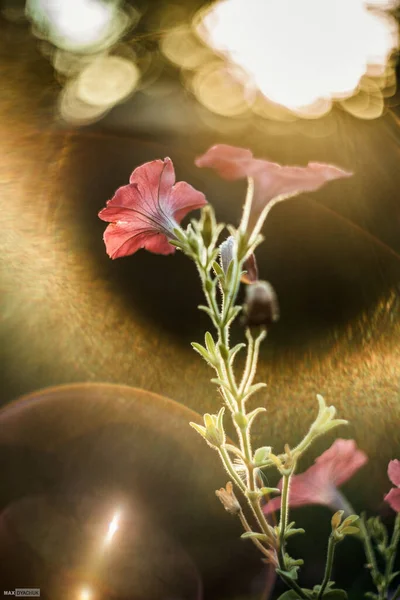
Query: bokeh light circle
point(102, 490)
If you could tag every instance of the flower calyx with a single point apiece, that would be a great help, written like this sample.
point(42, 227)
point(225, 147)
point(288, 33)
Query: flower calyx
point(339, 529)
point(325, 419)
point(228, 499)
point(286, 464)
point(262, 456)
point(213, 430)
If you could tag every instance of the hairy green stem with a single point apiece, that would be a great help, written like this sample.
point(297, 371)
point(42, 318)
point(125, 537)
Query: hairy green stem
point(284, 516)
point(328, 565)
point(369, 551)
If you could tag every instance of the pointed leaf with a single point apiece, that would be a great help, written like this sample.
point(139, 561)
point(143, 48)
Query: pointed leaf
point(180, 235)
point(201, 350)
point(233, 351)
point(218, 270)
point(254, 535)
point(199, 428)
point(350, 530)
point(293, 531)
point(254, 388)
point(210, 344)
point(252, 415)
point(292, 574)
point(221, 383)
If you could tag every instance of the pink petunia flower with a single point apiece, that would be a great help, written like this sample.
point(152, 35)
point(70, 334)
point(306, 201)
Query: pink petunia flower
point(145, 213)
point(319, 484)
point(272, 182)
point(393, 497)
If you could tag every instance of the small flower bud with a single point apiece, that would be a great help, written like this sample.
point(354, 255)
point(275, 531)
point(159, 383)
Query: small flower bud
point(226, 250)
point(261, 305)
point(261, 455)
point(228, 499)
point(213, 431)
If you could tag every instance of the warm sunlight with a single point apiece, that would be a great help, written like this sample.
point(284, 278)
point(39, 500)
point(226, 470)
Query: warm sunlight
point(299, 53)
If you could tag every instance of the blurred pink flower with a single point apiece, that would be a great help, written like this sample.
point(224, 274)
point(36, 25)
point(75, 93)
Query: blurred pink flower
point(318, 485)
point(145, 213)
point(393, 497)
point(272, 182)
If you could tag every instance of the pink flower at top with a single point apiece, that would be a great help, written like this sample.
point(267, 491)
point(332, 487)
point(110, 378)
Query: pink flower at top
point(393, 497)
point(318, 485)
point(145, 213)
point(272, 182)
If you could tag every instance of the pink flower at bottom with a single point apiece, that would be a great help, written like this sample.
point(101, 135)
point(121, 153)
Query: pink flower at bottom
point(318, 485)
point(271, 180)
point(145, 213)
point(393, 497)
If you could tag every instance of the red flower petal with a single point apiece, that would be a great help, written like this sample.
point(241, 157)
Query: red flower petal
point(145, 213)
point(229, 162)
point(271, 180)
point(318, 485)
point(393, 498)
point(123, 239)
point(394, 472)
point(184, 198)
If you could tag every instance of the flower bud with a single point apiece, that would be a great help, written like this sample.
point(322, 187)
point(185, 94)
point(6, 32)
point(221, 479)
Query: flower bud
point(261, 455)
point(213, 431)
point(226, 253)
point(261, 305)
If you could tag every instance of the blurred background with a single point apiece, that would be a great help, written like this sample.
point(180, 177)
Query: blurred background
point(105, 490)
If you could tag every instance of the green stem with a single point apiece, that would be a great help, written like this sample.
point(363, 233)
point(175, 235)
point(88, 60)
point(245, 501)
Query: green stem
point(369, 552)
point(229, 467)
point(247, 205)
point(284, 517)
point(328, 565)
point(247, 527)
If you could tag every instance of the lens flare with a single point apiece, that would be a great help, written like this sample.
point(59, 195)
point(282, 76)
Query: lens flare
point(113, 527)
point(303, 54)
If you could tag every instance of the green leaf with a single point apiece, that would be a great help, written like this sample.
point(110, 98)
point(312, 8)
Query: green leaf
point(292, 574)
point(290, 532)
point(221, 383)
point(289, 594)
point(177, 243)
point(218, 270)
point(267, 491)
point(233, 351)
point(202, 351)
point(233, 313)
point(393, 576)
point(335, 595)
point(180, 235)
point(254, 535)
point(350, 530)
point(252, 415)
point(255, 388)
point(210, 344)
